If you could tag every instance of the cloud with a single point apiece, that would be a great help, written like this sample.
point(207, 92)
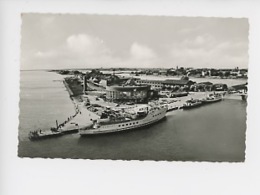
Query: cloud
point(77, 50)
point(86, 45)
point(47, 54)
point(84, 50)
point(57, 41)
point(200, 41)
point(46, 20)
point(206, 51)
point(141, 52)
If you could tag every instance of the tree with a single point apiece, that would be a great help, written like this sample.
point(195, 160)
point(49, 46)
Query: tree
point(186, 78)
point(76, 72)
point(227, 73)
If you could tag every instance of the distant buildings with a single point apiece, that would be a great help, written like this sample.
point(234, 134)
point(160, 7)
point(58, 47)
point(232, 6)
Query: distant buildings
point(195, 72)
point(116, 88)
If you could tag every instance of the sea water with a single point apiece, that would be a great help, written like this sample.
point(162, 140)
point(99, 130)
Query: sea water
point(214, 132)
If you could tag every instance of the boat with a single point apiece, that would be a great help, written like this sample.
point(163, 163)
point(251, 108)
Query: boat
point(168, 94)
point(171, 104)
point(211, 99)
point(67, 127)
point(179, 94)
point(191, 104)
point(39, 134)
point(123, 120)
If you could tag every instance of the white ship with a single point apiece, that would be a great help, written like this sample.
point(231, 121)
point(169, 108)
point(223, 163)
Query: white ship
point(122, 120)
point(172, 104)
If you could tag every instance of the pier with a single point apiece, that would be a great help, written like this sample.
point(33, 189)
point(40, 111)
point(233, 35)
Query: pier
point(67, 127)
point(81, 118)
point(236, 96)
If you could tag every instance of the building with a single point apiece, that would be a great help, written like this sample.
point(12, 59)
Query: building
point(158, 85)
point(202, 86)
point(219, 87)
point(180, 82)
point(155, 84)
point(117, 89)
point(135, 94)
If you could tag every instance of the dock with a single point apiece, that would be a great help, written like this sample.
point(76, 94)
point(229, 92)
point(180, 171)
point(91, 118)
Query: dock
point(52, 132)
point(82, 117)
point(236, 96)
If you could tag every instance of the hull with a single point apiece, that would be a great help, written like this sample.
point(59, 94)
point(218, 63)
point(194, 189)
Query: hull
point(211, 101)
point(172, 109)
point(49, 134)
point(44, 135)
point(126, 126)
point(170, 106)
point(186, 107)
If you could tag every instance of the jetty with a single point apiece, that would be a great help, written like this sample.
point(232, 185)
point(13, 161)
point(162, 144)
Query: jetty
point(236, 96)
point(71, 125)
point(67, 127)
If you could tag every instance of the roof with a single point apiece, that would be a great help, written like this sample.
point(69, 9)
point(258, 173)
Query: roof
point(157, 81)
point(177, 82)
point(220, 84)
point(239, 87)
point(128, 88)
point(205, 83)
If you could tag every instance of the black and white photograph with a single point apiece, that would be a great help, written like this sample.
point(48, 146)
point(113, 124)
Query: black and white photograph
point(129, 97)
point(133, 87)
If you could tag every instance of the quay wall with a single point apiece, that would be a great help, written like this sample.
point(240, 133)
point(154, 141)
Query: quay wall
point(68, 88)
point(235, 96)
point(74, 86)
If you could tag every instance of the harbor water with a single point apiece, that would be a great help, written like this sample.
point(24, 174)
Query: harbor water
point(214, 132)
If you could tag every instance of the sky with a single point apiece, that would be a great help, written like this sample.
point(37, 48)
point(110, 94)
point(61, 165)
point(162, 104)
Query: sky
point(57, 41)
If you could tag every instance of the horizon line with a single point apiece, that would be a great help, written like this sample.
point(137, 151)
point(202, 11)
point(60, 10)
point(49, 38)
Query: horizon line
point(131, 68)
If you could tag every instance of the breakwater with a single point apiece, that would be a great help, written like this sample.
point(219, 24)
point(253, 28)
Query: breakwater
point(66, 127)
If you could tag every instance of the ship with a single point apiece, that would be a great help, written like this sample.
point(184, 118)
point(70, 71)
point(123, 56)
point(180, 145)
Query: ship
point(191, 104)
point(39, 134)
point(212, 99)
point(124, 120)
point(171, 104)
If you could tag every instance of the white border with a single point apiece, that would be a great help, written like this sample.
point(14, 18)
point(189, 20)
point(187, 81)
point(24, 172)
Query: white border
point(41, 176)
